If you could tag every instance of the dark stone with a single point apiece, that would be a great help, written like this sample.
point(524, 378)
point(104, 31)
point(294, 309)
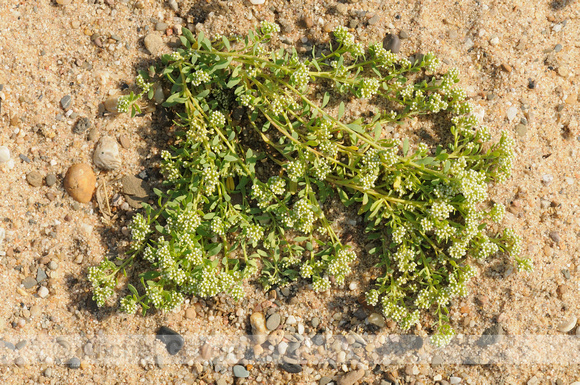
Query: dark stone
point(291, 368)
point(392, 43)
point(531, 84)
point(82, 125)
point(50, 180)
point(135, 190)
point(172, 340)
point(24, 158)
point(20, 344)
point(40, 275)
point(318, 339)
point(65, 102)
point(361, 314)
point(491, 335)
point(74, 363)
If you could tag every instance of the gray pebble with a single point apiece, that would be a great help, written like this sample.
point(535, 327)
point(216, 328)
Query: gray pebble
point(74, 363)
point(24, 158)
point(40, 275)
point(50, 180)
point(82, 125)
point(20, 344)
point(88, 349)
point(341, 8)
point(34, 178)
point(566, 273)
point(353, 23)
point(65, 102)
point(436, 360)
point(273, 321)
point(558, 48)
point(324, 380)
point(161, 26)
point(404, 34)
point(291, 368)
point(318, 339)
point(29, 282)
point(521, 130)
point(53, 265)
point(240, 372)
point(173, 5)
point(374, 20)
point(9, 345)
point(555, 236)
point(160, 361)
point(392, 43)
point(315, 322)
point(491, 335)
point(20, 361)
point(285, 291)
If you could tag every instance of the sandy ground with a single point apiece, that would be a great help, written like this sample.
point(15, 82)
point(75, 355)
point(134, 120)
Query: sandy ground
point(513, 54)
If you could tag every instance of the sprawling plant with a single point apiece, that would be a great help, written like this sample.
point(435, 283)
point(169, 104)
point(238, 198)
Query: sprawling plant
point(266, 149)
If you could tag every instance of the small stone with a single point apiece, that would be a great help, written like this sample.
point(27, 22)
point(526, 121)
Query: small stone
point(206, 351)
point(83, 124)
point(533, 381)
point(258, 350)
point(555, 236)
point(20, 344)
point(35, 311)
point(308, 22)
point(158, 95)
point(563, 71)
point(107, 154)
point(172, 340)
point(48, 372)
point(275, 337)
point(29, 282)
point(558, 48)
point(469, 43)
point(291, 368)
point(506, 67)
point(111, 104)
point(377, 319)
point(374, 20)
point(351, 377)
point(154, 44)
point(455, 380)
point(50, 180)
point(315, 322)
point(259, 330)
point(521, 130)
point(34, 178)
point(436, 360)
point(53, 265)
point(190, 313)
point(241, 372)
point(341, 8)
point(161, 26)
point(4, 154)
point(291, 320)
point(65, 102)
point(318, 339)
point(63, 2)
point(547, 179)
point(353, 286)
point(43, 292)
point(273, 321)
point(282, 347)
point(511, 113)
point(567, 324)
point(20, 361)
point(437, 377)
point(324, 380)
point(80, 181)
point(404, 34)
point(125, 141)
point(491, 335)
point(257, 2)
point(173, 5)
point(40, 275)
point(392, 43)
point(494, 40)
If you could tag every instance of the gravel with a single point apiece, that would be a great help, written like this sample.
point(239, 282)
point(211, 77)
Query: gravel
point(273, 321)
point(66, 102)
point(567, 324)
point(82, 125)
point(34, 178)
point(74, 363)
point(240, 372)
point(392, 43)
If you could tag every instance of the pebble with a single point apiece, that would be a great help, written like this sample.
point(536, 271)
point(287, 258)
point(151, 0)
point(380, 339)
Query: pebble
point(291, 368)
point(111, 104)
point(521, 130)
point(341, 8)
point(161, 26)
point(555, 236)
point(436, 360)
point(404, 34)
point(282, 347)
point(512, 113)
point(257, 2)
point(491, 335)
point(107, 154)
point(63, 2)
point(273, 321)
point(206, 351)
point(4, 154)
point(159, 361)
point(324, 380)
point(291, 320)
point(558, 48)
point(190, 313)
point(276, 337)
point(494, 40)
point(50, 180)
point(259, 330)
point(374, 20)
point(35, 311)
point(80, 181)
point(29, 282)
point(377, 319)
point(455, 380)
point(173, 5)
point(154, 44)
point(34, 178)
point(567, 324)
point(43, 292)
point(40, 275)
point(82, 125)
point(20, 361)
point(172, 340)
point(125, 141)
point(24, 158)
point(53, 265)
point(20, 344)
point(315, 322)
point(351, 377)
point(48, 372)
point(392, 43)
point(533, 381)
point(241, 372)
point(547, 179)
point(65, 102)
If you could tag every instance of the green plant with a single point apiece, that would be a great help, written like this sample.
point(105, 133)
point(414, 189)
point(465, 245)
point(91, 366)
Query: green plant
point(260, 158)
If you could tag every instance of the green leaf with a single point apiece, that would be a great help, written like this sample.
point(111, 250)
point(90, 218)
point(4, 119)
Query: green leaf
point(378, 131)
point(230, 158)
point(356, 128)
point(446, 166)
point(340, 108)
point(173, 100)
point(133, 290)
point(226, 42)
point(325, 100)
point(405, 146)
point(233, 82)
point(188, 35)
point(365, 199)
point(215, 249)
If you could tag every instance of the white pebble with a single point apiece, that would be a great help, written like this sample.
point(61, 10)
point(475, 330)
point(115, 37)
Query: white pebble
point(2, 235)
point(353, 286)
point(455, 380)
point(43, 292)
point(107, 154)
point(557, 28)
point(437, 377)
point(567, 324)
point(4, 154)
point(547, 178)
point(494, 40)
point(282, 347)
point(301, 329)
point(257, 2)
point(512, 112)
point(291, 320)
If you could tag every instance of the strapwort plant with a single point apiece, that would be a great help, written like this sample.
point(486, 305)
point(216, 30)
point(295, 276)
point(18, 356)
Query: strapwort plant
point(266, 147)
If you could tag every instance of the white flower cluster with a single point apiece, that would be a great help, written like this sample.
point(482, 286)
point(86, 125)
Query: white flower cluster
point(217, 226)
point(199, 77)
point(217, 119)
point(458, 166)
point(101, 294)
point(128, 305)
point(425, 298)
point(385, 58)
point(246, 100)
point(445, 231)
point(321, 284)
point(458, 249)
point(487, 248)
point(343, 36)
point(123, 104)
point(211, 179)
point(426, 224)
point(357, 50)
point(367, 180)
point(389, 157)
point(407, 92)
point(506, 159)
point(339, 71)
point(261, 195)
point(497, 212)
point(442, 338)
point(174, 303)
point(472, 186)
point(269, 28)
point(300, 77)
point(306, 270)
point(321, 169)
point(393, 310)
point(195, 256)
point(404, 62)
point(457, 94)
point(149, 254)
point(208, 284)
point(372, 297)
point(410, 320)
point(139, 230)
point(295, 170)
point(277, 185)
point(431, 61)
point(328, 148)
point(525, 264)
point(141, 83)
point(399, 234)
point(303, 216)
point(254, 233)
point(368, 87)
point(340, 265)
point(405, 259)
point(436, 103)
point(514, 242)
point(196, 132)
point(441, 210)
